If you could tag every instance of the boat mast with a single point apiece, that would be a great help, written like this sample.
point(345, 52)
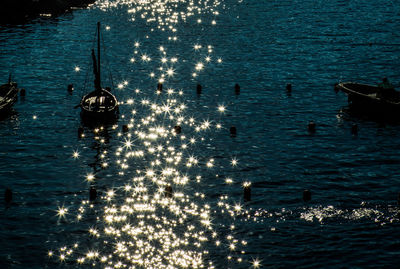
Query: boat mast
point(97, 85)
point(98, 52)
point(96, 62)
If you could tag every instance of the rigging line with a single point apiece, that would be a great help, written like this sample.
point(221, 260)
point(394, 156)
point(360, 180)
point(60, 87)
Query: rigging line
point(90, 67)
point(107, 65)
point(98, 54)
point(88, 70)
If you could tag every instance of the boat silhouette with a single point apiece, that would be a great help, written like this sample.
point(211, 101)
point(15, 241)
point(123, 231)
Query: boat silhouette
point(8, 96)
point(100, 105)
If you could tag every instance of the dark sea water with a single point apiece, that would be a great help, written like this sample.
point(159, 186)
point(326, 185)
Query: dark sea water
point(352, 220)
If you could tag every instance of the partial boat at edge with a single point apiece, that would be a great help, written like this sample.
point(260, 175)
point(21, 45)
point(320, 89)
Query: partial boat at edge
point(374, 98)
point(8, 96)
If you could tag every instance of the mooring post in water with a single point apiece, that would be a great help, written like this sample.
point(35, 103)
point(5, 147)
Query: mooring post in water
point(232, 131)
point(70, 88)
point(22, 92)
point(289, 87)
point(8, 195)
point(168, 191)
point(159, 87)
point(237, 89)
point(198, 89)
point(177, 129)
point(311, 127)
point(306, 195)
point(125, 128)
point(247, 191)
point(92, 194)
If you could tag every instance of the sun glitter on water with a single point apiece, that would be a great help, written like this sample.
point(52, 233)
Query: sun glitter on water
point(156, 213)
point(166, 15)
point(157, 218)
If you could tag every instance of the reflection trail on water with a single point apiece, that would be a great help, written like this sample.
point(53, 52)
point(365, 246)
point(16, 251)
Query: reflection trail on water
point(158, 217)
point(167, 14)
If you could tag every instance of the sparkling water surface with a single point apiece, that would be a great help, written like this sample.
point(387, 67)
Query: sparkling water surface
point(352, 219)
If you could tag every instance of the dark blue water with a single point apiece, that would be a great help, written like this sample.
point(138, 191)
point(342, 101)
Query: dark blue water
point(352, 219)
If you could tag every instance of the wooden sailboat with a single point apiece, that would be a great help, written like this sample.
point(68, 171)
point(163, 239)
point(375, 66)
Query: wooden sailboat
point(99, 105)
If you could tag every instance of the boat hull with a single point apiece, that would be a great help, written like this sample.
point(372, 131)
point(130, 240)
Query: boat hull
point(8, 96)
point(370, 97)
point(371, 102)
point(99, 106)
